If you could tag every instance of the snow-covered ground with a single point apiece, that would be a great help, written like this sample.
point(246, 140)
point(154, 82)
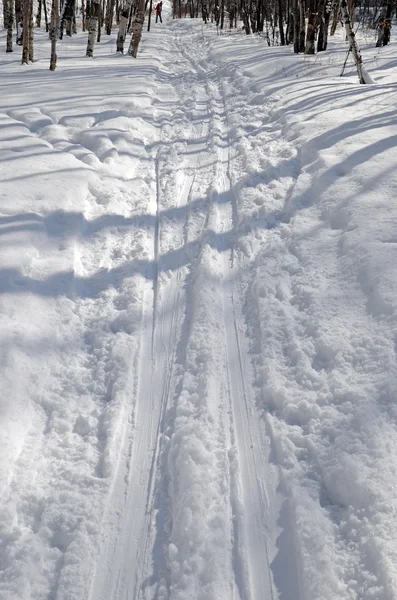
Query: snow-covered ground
point(198, 299)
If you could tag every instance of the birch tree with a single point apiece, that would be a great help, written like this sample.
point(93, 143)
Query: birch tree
point(109, 16)
point(355, 50)
point(124, 16)
point(8, 17)
point(31, 31)
point(27, 35)
point(53, 34)
point(311, 28)
point(83, 15)
point(93, 10)
point(137, 26)
point(100, 20)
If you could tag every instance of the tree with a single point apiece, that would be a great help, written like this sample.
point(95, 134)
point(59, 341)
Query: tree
point(53, 34)
point(355, 50)
point(137, 26)
point(93, 11)
point(66, 18)
point(8, 16)
point(384, 25)
point(109, 16)
point(42, 5)
point(150, 15)
point(27, 36)
point(124, 16)
point(311, 27)
point(324, 15)
point(83, 15)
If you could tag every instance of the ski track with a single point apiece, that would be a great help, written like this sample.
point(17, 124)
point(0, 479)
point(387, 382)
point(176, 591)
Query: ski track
point(193, 235)
point(249, 444)
point(181, 455)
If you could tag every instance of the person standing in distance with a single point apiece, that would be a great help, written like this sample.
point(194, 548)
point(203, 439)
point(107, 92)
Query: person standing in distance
point(158, 8)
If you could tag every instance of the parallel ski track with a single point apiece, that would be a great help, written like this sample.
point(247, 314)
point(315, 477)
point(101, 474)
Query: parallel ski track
point(251, 560)
point(138, 537)
point(166, 334)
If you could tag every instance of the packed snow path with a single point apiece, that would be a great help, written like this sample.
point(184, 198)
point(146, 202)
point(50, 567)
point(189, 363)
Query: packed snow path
point(198, 324)
point(193, 518)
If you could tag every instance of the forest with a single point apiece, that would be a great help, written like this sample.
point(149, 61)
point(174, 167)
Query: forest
point(306, 24)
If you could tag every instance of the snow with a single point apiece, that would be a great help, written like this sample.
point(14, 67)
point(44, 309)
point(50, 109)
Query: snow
point(198, 321)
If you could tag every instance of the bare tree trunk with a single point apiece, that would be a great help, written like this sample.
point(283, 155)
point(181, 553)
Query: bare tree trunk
point(31, 31)
point(351, 7)
point(336, 7)
point(106, 19)
point(245, 17)
point(100, 20)
point(109, 16)
point(10, 25)
point(47, 28)
point(302, 26)
point(130, 18)
point(296, 26)
point(25, 32)
point(93, 10)
point(323, 17)
point(62, 18)
point(137, 28)
point(69, 16)
point(125, 13)
point(53, 34)
point(311, 28)
point(355, 50)
point(150, 15)
point(62, 7)
point(6, 11)
point(8, 16)
point(280, 22)
point(38, 15)
point(222, 14)
point(289, 31)
point(83, 15)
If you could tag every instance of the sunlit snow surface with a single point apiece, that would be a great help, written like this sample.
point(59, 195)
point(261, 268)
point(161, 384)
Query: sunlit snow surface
point(198, 295)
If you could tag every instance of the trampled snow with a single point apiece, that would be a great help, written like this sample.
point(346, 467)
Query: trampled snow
point(198, 296)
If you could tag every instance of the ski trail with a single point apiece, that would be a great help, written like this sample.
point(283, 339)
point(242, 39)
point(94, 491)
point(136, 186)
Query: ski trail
point(189, 513)
point(252, 457)
point(250, 448)
point(128, 517)
point(156, 252)
point(133, 564)
point(231, 403)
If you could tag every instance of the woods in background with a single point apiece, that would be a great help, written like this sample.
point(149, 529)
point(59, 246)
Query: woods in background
point(305, 24)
